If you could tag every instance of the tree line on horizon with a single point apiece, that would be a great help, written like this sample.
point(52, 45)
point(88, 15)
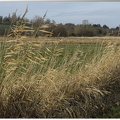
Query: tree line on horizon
point(61, 30)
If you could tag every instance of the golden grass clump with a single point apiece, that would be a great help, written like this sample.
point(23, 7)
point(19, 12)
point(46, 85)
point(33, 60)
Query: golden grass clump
point(58, 94)
point(32, 87)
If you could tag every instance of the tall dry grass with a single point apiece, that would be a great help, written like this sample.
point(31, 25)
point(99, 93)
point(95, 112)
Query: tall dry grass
point(30, 86)
point(26, 92)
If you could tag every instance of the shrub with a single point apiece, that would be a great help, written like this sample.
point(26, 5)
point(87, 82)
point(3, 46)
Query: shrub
point(59, 31)
point(84, 30)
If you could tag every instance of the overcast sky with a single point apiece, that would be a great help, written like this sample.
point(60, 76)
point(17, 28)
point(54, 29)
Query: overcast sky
point(67, 12)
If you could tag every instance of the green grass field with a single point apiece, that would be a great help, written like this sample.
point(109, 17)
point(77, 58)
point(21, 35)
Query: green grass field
point(5, 26)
